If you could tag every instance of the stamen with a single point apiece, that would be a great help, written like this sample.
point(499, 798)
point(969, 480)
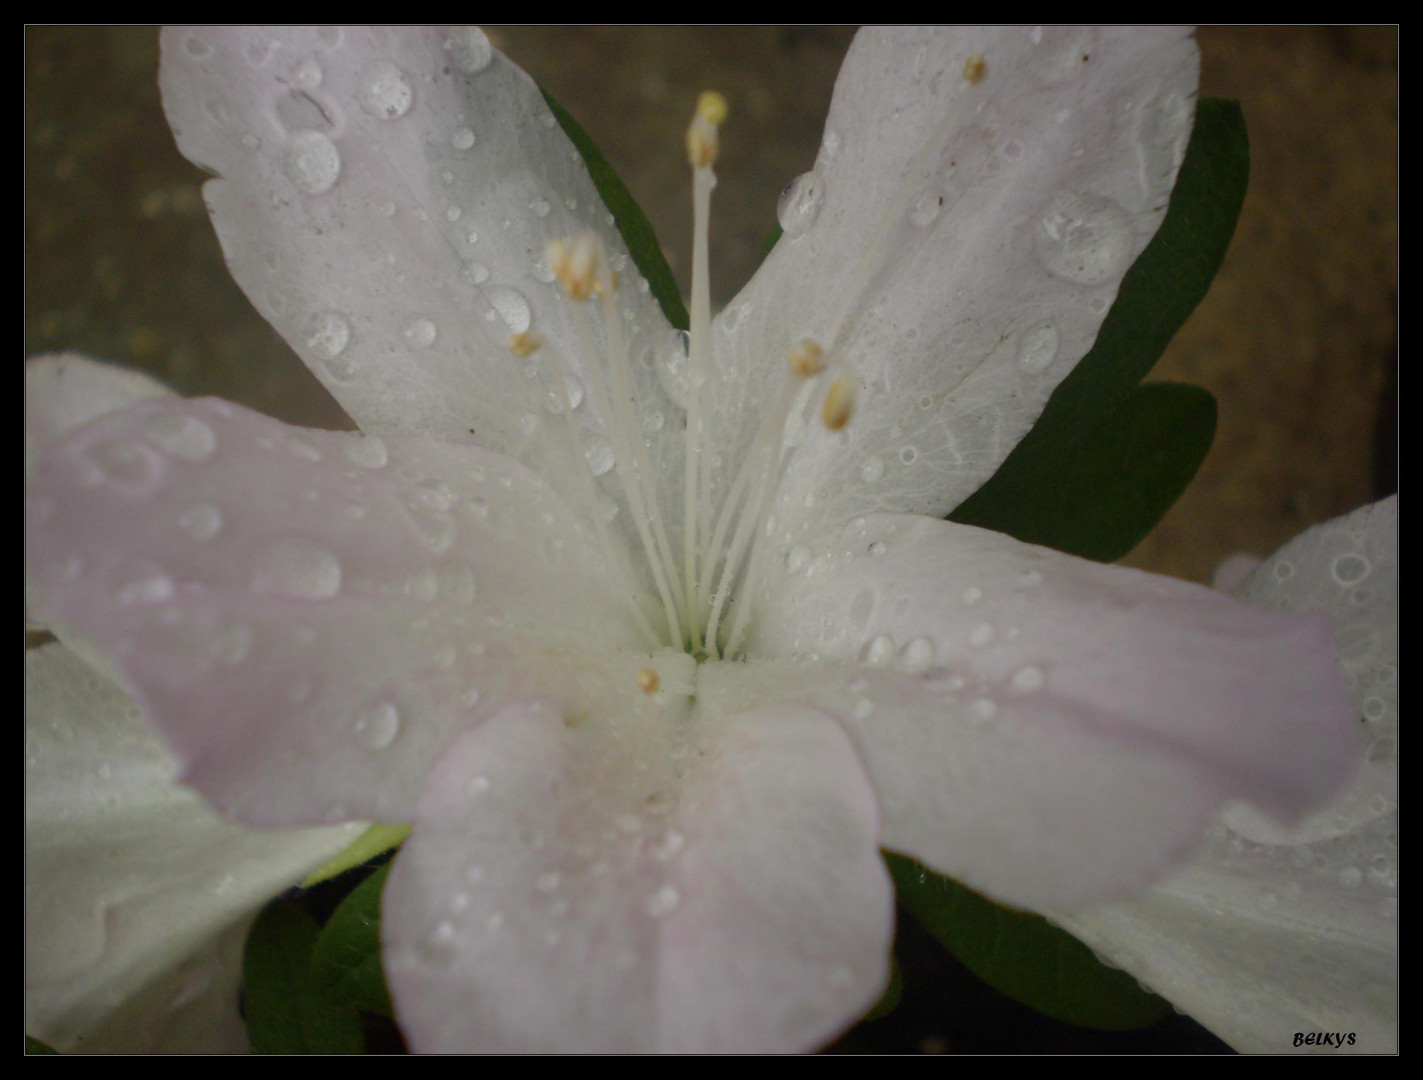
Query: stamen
point(839, 402)
point(703, 141)
point(975, 69)
point(806, 359)
point(575, 263)
point(526, 344)
point(648, 681)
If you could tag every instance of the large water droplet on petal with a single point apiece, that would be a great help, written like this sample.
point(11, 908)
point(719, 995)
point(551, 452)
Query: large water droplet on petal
point(313, 162)
point(800, 202)
point(917, 656)
point(878, 651)
point(1350, 569)
point(469, 50)
point(1038, 348)
point(184, 437)
point(201, 522)
point(511, 306)
point(377, 726)
point(1087, 239)
point(600, 456)
point(420, 333)
point(327, 335)
point(926, 208)
point(384, 90)
point(297, 567)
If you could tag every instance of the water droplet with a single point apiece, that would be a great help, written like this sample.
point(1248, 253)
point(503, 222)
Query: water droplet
point(663, 902)
point(981, 635)
point(909, 455)
point(201, 522)
point(1028, 679)
point(879, 651)
point(297, 568)
point(917, 656)
point(972, 595)
point(1374, 708)
point(384, 90)
point(871, 469)
point(600, 456)
point(1012, 150)
point(495, 922)
point(541, 207)
point(377, 726)
point(982, 709)
point(1031, 578)
point(367, 451)
point(476, 273)
point(419, 333)
point(462, 138)
point(313, 162)
point(478, 786)
point(1086, 239)
point(628, 823)
point(1351, 877)
point(830, 145)
point(1349, 570)
point(800, 203)
point(548, 881)
point(652, 422)
point(185, 437)
point(196, 47)
point(797, 557)
point(926, 208)
point(145, 583)
point(327, 335)
point(469, 50)
point(511, 306)
point(864, 708)
point(671, 846)
point(1037, 349)
point(125, 465)
point(877, 548)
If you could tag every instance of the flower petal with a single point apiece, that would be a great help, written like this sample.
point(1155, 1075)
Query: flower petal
point(64, 391)
point(137, 898)
point(1268, 931)
point(384, 197)
point(1050, 730)
point(309, 616)
point(959, 243)
point(565, 889)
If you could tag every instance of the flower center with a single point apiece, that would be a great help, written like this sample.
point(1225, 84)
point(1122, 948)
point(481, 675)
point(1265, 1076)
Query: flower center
point(702, 604)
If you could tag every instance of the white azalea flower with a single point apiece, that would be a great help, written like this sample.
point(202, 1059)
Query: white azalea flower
point(1267, 933)
point(658, 638)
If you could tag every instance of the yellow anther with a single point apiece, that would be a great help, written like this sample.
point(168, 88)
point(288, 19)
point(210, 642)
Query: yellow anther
point(598, 284)
point(648, 680)
point(975, 68)
point(703, 142)
point(525, 344)
point(711, 107)
point(807, 359)
point(575, 263)
point(839, 402)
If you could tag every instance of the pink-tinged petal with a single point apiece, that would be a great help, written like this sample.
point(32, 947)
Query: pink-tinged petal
point(1050, 730)
point(384, 197)
point(960, 244)
point(1267, 930)
point(1347, 569)
point(137, 898)
point(308, 616)
point(64, 391)
point(640, 883)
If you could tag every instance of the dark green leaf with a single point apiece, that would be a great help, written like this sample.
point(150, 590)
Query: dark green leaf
point(1111, 488)
point(286, 1013)
point(1023, 955)
point(34, 1046)
point(1161, 289)
point(632, 223)
point(346, 962)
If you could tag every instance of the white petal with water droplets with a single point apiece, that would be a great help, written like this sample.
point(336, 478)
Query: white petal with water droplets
point(137, 897)
point(966, 242)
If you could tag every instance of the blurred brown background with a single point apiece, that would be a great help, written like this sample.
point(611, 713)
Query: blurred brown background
point(1297, 339)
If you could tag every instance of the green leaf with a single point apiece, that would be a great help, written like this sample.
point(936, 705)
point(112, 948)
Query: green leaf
point(632, 223)
point(1023, 955)
point(346, 961)
point(286, 1013)
point(1158, 293)
point(34, 1046)
point(1110, 489)
point(376, 840)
